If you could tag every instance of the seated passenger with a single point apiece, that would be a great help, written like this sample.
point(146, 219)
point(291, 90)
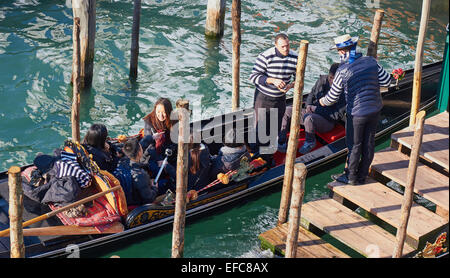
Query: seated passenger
point(141, 189)
point(152, 161)
point(316, 118)
point(158, 125)
point(229, 156)
point(95, 143)
point(199, 166)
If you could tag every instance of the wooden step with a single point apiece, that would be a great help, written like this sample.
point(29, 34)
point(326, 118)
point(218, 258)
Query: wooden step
point(309, 245)
point(429, 183)
point(385, 203)
point(435, 142)
point(350, 228)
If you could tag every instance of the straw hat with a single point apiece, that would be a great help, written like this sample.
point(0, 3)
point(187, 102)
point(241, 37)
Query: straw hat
point(344, 41)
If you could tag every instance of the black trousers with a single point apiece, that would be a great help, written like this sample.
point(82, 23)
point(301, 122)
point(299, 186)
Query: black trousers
point(266, 102)
point(360, 139)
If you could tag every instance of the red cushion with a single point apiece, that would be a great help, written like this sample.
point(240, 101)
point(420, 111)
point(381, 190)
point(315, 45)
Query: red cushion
point(99, 214)
point(280, 157)
point(336, 133)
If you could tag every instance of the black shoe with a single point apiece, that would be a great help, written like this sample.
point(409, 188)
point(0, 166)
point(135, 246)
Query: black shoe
point(361, 180)
point(343, 178)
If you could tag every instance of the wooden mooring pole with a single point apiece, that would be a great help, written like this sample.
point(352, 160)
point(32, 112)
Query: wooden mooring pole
point(294, 133)
point(409, 186)
point(236, 21)
point(215, 18)
point(75, 116)
point(15, 212)
point(135, 40)
point(85, 10)
point(298, 192)
point(181, 179)
point(418, 63)
point(373, 44)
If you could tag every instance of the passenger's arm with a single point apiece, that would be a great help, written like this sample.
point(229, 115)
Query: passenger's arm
point(336, 90)
point(384, 78)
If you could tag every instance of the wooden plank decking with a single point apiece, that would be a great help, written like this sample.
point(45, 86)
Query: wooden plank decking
point(429, 183)
point(435, 142)
point(386, 204)
point(337, 218)
point(352, 229)
point(309, 245)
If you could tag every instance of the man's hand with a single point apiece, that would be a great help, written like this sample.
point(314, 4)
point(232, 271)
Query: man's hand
point(277, 82)
point(152, 183)
point(287, 87)
point(321, 101)
point(310, 109)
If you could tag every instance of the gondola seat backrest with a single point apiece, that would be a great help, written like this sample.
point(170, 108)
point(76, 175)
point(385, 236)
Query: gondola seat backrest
point(104, 181)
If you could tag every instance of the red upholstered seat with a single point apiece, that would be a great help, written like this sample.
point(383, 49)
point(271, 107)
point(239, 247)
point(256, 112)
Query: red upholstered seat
point(280, 157)
point(336, 133)
point(100, 215)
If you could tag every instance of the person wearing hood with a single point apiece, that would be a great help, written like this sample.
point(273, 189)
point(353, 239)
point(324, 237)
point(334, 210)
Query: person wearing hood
point(359, 78)
point(229, 156)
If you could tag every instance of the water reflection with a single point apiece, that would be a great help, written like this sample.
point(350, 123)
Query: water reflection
point(175, 60)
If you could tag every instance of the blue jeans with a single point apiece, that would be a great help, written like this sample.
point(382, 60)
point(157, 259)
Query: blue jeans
point(360, 139)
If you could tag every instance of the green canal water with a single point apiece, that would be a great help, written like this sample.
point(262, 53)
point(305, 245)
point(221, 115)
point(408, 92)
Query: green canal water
point(175, 61)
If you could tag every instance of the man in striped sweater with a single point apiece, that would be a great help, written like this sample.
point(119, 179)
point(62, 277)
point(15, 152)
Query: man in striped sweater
point(360, 78)
point(272, 75)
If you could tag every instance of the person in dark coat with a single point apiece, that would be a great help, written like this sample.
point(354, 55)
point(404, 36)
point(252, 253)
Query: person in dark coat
point(199, 166)
point(315, 118)
point(359, 78)
point(141, 190)
point(95, 143)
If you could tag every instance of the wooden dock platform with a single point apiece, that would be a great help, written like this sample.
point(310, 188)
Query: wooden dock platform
point(309, 245)
point(434, 147)
point(429, 184)
point(337, 217)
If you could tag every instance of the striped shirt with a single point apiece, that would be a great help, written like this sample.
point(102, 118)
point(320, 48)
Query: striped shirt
point(68, 166)
point(272, 64)
point(337, 88)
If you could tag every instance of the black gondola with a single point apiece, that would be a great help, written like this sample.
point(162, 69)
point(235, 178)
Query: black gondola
point(147, 218)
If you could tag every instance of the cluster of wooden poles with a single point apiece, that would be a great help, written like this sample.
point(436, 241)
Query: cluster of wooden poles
point(295, 174)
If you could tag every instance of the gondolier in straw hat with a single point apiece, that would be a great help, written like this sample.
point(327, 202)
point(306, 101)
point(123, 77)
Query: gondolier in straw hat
point(360, 78)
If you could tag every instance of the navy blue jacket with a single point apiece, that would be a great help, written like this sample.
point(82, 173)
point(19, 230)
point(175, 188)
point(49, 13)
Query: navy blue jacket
point(361, 86)
point(135, 182)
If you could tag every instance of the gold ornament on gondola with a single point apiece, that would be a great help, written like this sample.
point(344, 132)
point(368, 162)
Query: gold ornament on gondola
point(431, 250)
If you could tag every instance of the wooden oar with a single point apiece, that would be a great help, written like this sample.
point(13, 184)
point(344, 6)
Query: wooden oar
point(69, 230)
point(55, 212)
